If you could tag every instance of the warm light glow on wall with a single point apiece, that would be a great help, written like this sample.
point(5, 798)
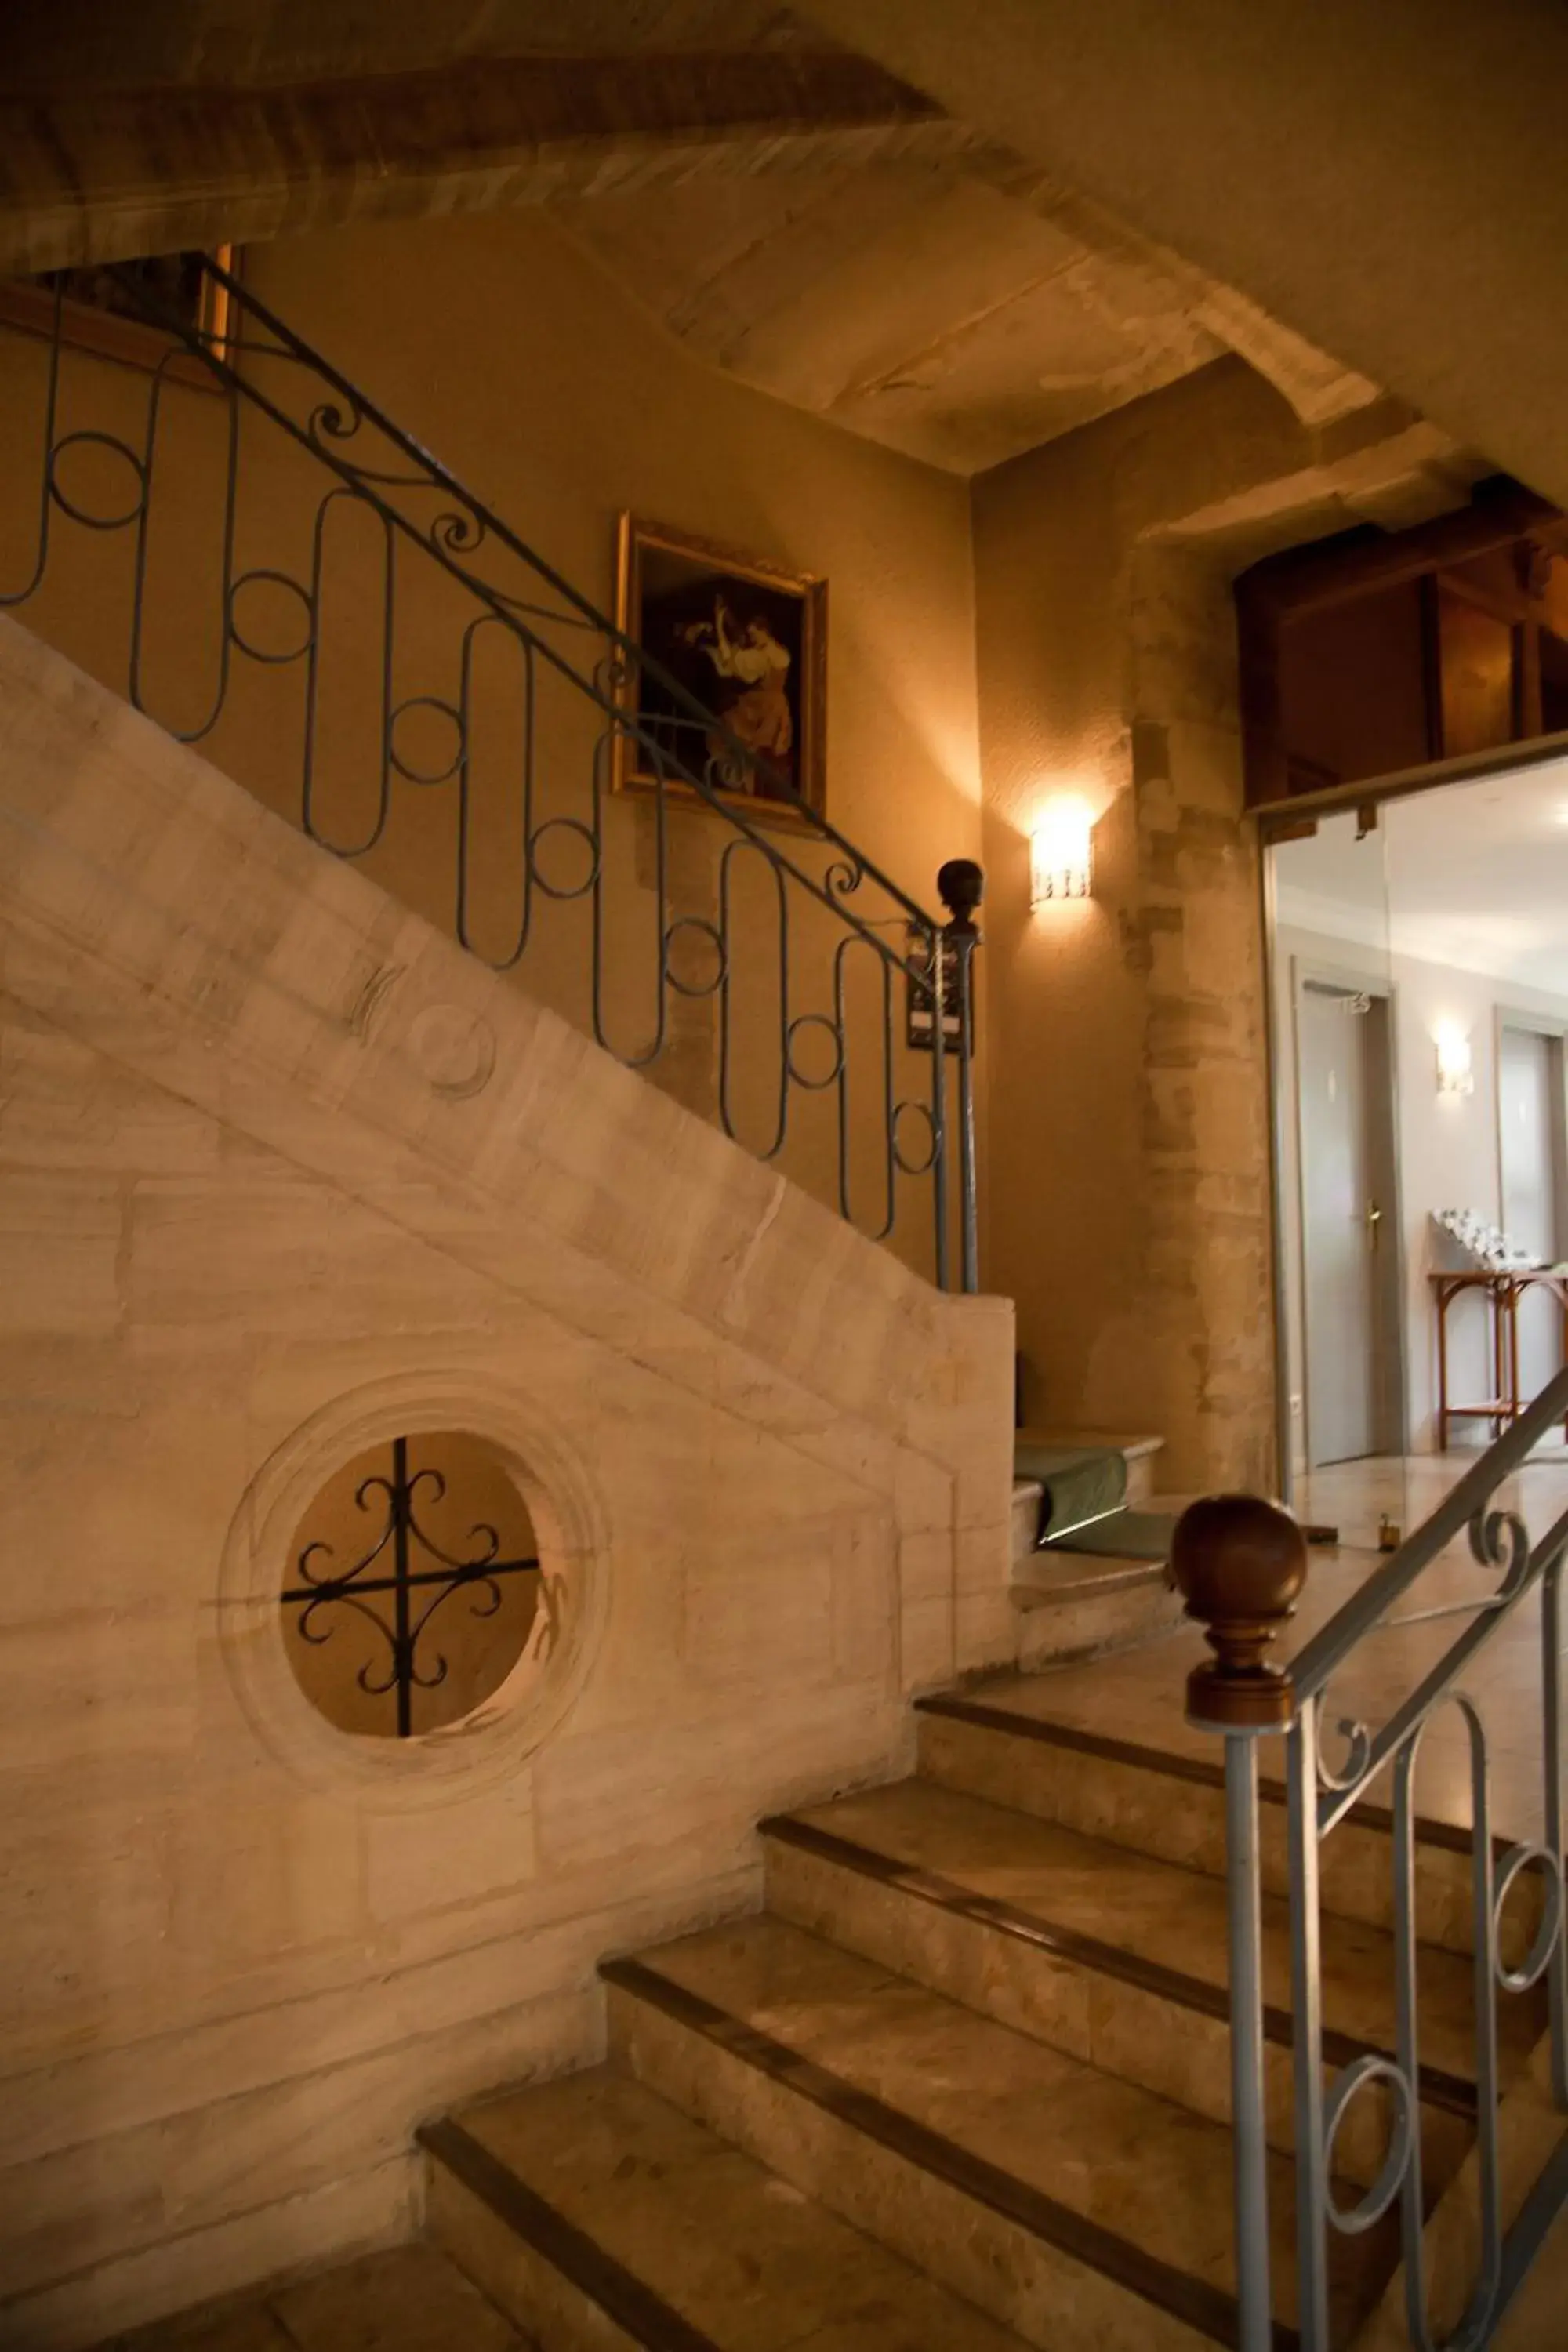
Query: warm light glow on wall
point(1456, 1072)
point(1060, 851)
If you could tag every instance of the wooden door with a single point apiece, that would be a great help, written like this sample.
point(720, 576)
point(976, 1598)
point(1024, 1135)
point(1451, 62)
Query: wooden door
point(1345, 1223)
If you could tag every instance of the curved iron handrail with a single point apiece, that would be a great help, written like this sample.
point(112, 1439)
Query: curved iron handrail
point(418, 505)
point(209, 347)
point(1245, 1594)
point(1318, 1658)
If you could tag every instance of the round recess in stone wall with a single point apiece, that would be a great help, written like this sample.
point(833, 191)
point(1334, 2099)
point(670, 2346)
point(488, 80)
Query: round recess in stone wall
point(413, 1589)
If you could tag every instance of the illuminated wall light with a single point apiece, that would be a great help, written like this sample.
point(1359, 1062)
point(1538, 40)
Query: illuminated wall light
point(1061, 852)
point(1456, 1072)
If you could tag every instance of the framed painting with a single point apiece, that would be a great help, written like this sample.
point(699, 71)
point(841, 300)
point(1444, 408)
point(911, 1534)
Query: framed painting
point(747, 638)
point(96, 317)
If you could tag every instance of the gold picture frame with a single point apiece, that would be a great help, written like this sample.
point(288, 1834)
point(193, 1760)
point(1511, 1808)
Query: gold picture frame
point(748, 638)
point(89, 322)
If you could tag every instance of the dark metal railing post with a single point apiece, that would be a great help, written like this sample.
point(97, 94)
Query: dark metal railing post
point(960, 884)
point(403, 1619)
point(1557, 1839)
point(1240, 1563)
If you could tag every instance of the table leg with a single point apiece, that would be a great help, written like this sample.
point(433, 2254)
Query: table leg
point(1514, 1395)
point(1444, 1295)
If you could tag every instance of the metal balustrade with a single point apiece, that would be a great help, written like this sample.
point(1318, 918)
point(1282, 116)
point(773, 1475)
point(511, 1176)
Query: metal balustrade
point(1241, 1564)
point(817, 967)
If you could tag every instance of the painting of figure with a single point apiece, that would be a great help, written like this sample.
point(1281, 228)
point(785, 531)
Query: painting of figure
point(730, 690)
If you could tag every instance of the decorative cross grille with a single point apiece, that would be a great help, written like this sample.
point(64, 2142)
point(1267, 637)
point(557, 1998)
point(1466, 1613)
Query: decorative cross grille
point(351, 1588)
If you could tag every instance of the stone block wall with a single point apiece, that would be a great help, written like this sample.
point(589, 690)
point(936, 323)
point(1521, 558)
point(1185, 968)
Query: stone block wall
point(282, 1171)
point(1128, 1208)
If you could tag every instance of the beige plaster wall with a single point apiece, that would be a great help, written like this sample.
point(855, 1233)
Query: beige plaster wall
point(1129, 1195)
point(509, 355)
point(282, 1170)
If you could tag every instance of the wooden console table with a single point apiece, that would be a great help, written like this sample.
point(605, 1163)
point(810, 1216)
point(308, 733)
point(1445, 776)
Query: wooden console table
point(1504, 1291)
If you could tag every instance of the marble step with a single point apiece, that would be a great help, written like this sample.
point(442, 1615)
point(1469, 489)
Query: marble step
point(1074, 2207)
point(594, 2215)
point(1140, 1454)
point(1020, 1741)
point(1121, 1959)
point(1075, 1605)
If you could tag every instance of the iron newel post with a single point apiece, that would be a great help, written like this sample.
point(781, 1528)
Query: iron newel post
point(1240, 1564)
point(961, 885)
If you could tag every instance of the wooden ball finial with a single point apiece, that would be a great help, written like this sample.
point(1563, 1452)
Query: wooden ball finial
point(961, 887)
point(1240, 1564)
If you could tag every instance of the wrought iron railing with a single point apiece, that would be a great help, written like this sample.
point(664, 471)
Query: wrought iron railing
point(1241, 1564)
point(375, 637)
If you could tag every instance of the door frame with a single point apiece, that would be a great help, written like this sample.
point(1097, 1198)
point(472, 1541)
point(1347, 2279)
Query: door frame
point(1276, 823)
point(1390, 1304)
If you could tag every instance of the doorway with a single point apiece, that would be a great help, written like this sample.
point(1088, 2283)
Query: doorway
point(1531, 1149)
point(1349, 1248)
point(1421, 1146)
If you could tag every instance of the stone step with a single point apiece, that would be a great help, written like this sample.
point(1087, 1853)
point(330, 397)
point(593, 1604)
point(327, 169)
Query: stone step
point(1014, 1741)
point(405, 2298)
point(1076, 2207)
point(593, 2214)
point(1079, 1605)
point(1075, 1605)
point(1121, 1959)
point(1140, 1454)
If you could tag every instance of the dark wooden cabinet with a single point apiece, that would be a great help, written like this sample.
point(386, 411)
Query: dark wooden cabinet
point(1378, 654)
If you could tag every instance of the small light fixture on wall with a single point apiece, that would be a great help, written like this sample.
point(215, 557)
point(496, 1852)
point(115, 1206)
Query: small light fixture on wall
point(1455, 1070)
point(1060, 851)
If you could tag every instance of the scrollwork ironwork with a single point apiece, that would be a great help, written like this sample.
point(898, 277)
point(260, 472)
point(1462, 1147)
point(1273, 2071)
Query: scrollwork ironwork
point(1320, 1795)
point(437, 579)
point(1369, 2208)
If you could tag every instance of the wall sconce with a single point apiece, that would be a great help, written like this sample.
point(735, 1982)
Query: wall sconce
point(1061, 852)
point(1456, 1072)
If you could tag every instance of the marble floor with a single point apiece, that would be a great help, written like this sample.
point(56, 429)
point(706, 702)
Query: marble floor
point(407, 2299)
point(1505, 1680)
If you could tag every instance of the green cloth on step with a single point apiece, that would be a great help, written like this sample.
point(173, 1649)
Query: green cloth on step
point(1123, 1534)
point(1082, 1483)
point(1084, 1505)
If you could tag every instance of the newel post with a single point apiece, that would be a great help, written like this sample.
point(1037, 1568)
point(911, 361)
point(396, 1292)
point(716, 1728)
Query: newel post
point(1240, 1564)
point(961, 885)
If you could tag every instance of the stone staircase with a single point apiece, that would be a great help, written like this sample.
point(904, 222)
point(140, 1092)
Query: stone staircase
point(964, 2084)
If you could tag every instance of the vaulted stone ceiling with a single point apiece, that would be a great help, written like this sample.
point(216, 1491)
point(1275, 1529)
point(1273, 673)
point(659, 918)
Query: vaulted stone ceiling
point(790, 211)
point(909, 301)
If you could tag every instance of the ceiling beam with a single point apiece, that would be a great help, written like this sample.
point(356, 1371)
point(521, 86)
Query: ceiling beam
point(93, 46)
point(106, 178)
